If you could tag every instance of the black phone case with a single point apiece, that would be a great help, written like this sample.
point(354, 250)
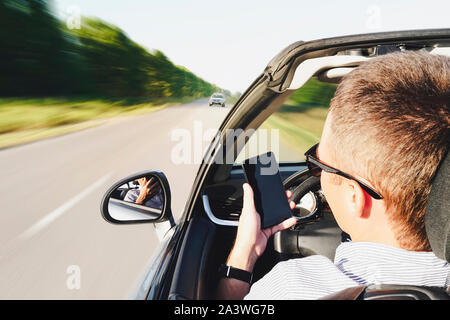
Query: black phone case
point(269, 195)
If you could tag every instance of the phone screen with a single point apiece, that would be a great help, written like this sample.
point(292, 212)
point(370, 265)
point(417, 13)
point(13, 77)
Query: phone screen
point(262, 173)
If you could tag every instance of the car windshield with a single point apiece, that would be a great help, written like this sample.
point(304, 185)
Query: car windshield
point(295, 126)
point(217, 96)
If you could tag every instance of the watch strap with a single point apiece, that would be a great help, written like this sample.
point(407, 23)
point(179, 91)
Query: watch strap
point(235, 273)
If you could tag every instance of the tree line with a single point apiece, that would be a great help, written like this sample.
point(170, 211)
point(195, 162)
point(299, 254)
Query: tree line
point(40, 56)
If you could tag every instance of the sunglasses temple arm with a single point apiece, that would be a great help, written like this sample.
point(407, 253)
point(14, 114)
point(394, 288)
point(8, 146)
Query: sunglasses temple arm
point(365, 187)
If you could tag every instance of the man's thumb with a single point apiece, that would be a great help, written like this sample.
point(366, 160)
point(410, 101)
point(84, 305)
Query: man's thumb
point(248, 196)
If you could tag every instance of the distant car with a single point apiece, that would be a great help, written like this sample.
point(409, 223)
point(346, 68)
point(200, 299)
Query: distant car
point(217, 98)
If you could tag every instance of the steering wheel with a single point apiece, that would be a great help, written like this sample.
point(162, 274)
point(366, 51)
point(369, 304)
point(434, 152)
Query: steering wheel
point(307, 195)
point(309, 200)
point(316, 231)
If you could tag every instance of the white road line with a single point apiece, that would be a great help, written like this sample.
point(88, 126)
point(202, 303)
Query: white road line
point(49, 218)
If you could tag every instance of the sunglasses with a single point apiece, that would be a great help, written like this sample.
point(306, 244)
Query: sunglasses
point(315, 167)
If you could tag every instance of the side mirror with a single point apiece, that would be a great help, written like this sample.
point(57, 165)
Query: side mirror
point(140, 198)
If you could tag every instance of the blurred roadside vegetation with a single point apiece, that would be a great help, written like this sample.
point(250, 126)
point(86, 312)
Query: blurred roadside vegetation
point(30, 119)
point(52, 76)
point(300, 120)
point(40, 56)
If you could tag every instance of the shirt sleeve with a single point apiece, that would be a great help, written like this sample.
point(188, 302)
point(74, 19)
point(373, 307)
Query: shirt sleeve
point(131, 195)
point(272, 285)
point(306, 278)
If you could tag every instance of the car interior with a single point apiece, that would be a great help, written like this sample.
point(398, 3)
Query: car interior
point(212, 229)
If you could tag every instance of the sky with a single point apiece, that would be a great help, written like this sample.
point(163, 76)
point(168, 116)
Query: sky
point(229, 43)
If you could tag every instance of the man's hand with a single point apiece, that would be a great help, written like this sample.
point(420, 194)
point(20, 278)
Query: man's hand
point(250, 244)
point(147, 188)
point(251, 241)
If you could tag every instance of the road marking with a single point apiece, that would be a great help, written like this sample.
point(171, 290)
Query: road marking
point(49, 218)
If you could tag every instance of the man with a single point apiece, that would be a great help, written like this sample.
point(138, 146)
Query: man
point(149, 193)
point(386, 132)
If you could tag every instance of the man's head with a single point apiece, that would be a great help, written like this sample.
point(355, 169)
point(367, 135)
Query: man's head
point(388, 125)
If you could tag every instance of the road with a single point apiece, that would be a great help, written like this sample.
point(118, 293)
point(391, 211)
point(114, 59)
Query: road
point(51, 228)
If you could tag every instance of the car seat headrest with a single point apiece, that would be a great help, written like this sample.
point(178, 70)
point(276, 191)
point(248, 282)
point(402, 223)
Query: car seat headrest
point(437, 216)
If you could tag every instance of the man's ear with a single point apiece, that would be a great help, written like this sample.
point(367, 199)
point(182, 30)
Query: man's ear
point(358, 201)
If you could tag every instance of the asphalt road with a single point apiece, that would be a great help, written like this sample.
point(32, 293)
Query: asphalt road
point(53, 242)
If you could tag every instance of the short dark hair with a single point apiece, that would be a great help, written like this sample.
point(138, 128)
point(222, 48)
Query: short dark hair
point(391, 114)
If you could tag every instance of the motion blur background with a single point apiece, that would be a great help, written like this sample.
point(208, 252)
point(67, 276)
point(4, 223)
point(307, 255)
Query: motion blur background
point(120, 76)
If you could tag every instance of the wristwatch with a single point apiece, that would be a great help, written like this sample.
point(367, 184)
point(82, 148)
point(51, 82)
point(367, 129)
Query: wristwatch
point(230, 272)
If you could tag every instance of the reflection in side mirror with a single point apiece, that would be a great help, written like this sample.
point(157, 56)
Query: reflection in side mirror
point(143, 197)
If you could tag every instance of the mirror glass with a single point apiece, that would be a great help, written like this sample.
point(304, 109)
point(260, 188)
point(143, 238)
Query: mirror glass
point(306, 205)
point(141, 198)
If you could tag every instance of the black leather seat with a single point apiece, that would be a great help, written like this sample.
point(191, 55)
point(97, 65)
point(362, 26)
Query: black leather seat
point(123, 194)
point(437, 224)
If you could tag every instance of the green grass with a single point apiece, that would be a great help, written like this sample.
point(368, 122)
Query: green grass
point(301, 119)
point(26, 120)
point(300, 125)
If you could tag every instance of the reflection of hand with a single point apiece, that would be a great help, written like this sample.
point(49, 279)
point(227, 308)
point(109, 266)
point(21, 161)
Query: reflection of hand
point(142, 181)
point(251, 241)
point(147, 189)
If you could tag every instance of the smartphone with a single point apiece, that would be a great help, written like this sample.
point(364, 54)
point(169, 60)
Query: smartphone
point(263, 175)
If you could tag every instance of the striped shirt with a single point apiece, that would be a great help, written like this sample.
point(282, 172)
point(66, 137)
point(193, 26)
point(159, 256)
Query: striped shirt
point(355, 263)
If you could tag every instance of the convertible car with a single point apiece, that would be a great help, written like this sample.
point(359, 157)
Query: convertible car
point(289, 100)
